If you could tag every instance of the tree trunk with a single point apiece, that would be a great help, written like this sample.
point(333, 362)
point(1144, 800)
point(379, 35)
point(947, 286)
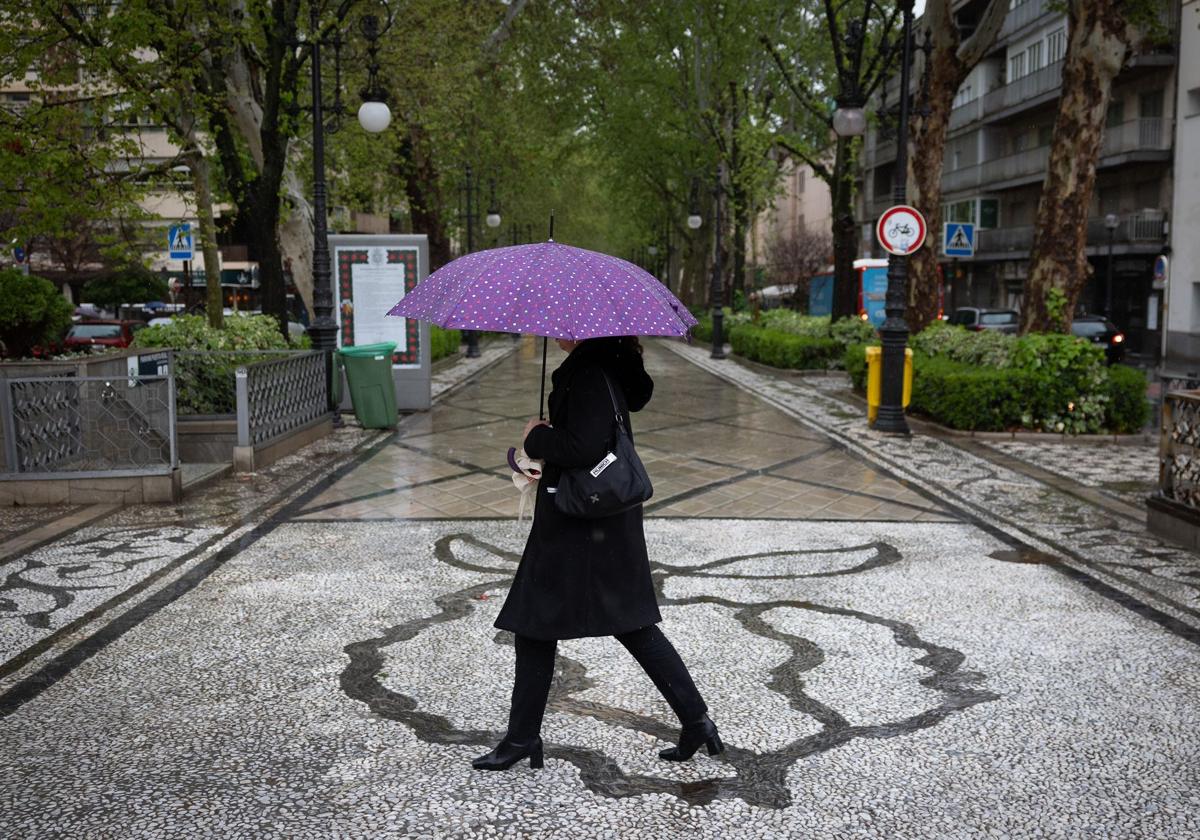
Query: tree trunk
point(949, 65)
point(1100, 40)
point(419, 171)
point(845, 234)
point(214, 301)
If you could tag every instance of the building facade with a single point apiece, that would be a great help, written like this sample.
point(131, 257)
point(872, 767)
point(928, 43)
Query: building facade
point(801, 211)
point(997, 150)
point(1183, 290)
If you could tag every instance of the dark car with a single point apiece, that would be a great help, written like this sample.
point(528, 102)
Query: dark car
point(1099, 331)
point(89, 334)
point(974, 318)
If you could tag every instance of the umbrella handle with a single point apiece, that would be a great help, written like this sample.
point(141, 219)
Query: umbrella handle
point(542, 398)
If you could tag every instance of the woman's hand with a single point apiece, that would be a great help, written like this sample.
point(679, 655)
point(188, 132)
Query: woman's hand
point(531, 425)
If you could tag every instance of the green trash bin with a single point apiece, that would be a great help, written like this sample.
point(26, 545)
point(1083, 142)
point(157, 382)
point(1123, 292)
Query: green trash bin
point(372, 390)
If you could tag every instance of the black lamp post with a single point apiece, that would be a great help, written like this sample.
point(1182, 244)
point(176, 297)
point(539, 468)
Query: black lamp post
point(374, 117)
point(1111, 222)
point(492, 219)
point(894, 331)
point(717, 291)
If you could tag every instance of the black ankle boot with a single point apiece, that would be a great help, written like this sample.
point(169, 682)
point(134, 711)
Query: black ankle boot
point(691, 737)
point(508, 753)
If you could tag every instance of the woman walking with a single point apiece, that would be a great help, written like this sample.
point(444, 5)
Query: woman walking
point(588, 577)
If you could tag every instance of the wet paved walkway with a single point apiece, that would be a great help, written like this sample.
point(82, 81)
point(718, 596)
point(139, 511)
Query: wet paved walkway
point(883, 630)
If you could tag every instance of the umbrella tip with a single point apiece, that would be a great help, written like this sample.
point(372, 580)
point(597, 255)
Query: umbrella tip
point(551, 239)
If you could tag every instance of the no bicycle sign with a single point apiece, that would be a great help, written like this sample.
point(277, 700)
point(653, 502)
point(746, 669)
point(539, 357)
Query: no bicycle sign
point(901, 230)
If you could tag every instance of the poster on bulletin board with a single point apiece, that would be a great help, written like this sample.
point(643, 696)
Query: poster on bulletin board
point(372, 272)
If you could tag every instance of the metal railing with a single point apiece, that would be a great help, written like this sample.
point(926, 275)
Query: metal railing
point(1142, 134)
point(277, 396)
point(1022, 14)
point(1145, 226)
point(1179, 448)
point(207, 379)
point(1024, 90)
point(89, 425)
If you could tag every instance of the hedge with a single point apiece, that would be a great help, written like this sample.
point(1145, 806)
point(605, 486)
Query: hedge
point(785, 350)
point(1128, 408)
point(443, 343)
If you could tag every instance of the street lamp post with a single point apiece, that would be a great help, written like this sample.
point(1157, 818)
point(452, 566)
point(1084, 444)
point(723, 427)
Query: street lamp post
point(1111, 222)
point(850, 120)
point(374, 117)
point(492, 219)
point(717, 291)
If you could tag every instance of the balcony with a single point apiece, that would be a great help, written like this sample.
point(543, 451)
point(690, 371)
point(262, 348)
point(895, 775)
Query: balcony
point(1146, 134)
point(1137, 231)
point(1026, 92)
point(1022, 15)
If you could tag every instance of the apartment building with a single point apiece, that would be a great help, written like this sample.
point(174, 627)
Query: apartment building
point(802, 205)
point(1183, 314)
point(997, 151)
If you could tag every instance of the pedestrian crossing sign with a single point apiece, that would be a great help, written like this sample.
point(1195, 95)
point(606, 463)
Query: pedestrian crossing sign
point(958, 239)
point(179, 242)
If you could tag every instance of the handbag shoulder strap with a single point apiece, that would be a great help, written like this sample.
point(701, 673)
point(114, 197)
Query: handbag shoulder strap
point(612, 396)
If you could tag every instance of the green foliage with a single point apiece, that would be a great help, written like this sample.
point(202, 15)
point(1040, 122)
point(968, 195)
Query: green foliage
point(443, 343)
point(206, 382)
point(1128, 408)
point(192, 332)
point(847, 331)
point(32, 312)
point(1073, 397)
point(703, 330)
point(987, 381)
point(964, 396)
point(1056, 307)
point(133, 285)
point(989, 348)
point(790, 321)
point(785, 350)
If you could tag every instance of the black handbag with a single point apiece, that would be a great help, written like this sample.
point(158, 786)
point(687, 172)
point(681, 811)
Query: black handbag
point(617, 484)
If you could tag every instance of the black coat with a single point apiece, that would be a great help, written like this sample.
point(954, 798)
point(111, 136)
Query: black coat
point(583, 577)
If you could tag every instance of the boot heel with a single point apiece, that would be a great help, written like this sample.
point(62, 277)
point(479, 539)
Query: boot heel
point(715, 746)
point(536, 759)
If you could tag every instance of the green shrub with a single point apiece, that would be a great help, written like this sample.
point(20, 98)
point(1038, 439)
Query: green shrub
point(1128, 408)
point(849, 331)
point(703, 330)
point(790, 321)
point(1072, 396)
point(969, 397)
point(784, 350)
point(989, 348)
point(32, 312)
point(854, 359)
point(443, 343)
point(206, 383)
point(135, 284)
point(192, 332)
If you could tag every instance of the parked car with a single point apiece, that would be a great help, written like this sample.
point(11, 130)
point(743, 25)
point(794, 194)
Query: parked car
point(1099, 331)
point(87, 335)
point(974, 318)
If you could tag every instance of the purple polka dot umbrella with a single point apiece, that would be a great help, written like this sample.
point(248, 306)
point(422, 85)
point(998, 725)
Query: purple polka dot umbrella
point(546, 289)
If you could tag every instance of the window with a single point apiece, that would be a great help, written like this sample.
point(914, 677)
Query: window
point(1193, 102)
point(1116, 113)
point(1146, 194)
point(1044, 134)
point(800, 173)
point(1056, 45)
point(1035, 56)
point(1150, 104)
point(989, 213)
point(965, 94)
point(1016, 67)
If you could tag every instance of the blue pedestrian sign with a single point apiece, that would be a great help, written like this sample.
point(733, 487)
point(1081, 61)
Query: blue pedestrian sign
point(958, 239)
point(179, 242)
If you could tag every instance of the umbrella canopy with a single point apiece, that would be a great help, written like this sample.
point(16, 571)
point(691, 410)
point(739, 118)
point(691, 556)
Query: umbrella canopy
point(546, 289)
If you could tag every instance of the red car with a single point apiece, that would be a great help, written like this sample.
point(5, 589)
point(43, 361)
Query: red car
point(89, 334)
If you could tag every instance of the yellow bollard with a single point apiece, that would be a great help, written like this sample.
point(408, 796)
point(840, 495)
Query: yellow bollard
point(875, 380)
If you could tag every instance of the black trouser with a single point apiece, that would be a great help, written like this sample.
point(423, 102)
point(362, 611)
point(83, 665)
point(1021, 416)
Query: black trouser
point(652, 650)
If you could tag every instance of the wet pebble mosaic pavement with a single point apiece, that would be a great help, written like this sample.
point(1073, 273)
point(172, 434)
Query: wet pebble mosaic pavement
point(908, 678)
